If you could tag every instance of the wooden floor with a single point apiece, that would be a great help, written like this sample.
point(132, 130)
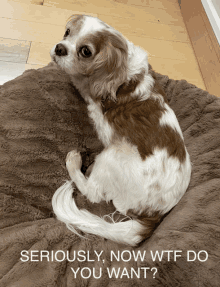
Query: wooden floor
point(30, 28)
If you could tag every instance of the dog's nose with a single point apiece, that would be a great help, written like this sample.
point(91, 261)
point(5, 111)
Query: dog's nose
point(60, 50)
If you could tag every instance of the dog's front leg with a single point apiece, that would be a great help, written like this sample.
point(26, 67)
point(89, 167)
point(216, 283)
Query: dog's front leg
point(88, 187)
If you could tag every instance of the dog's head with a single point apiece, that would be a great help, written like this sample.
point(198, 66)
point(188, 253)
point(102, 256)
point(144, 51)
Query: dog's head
point(93, 50)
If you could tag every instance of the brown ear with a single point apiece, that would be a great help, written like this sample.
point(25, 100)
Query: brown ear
point(109, 68)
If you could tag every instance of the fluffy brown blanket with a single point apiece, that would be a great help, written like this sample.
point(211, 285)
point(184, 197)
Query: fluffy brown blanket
point(42, 117)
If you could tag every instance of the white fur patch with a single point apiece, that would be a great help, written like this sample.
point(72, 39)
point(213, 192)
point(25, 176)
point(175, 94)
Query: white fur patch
point(169, 118)
point(103, 128)
point(143, 90)
point(166, 180)
point(137, 60)
point(90, 25)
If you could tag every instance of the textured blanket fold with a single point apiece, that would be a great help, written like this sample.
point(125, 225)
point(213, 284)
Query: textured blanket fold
point(42, 118)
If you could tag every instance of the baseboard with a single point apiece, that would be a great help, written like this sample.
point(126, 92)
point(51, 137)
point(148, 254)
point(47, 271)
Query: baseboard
point(204, 42)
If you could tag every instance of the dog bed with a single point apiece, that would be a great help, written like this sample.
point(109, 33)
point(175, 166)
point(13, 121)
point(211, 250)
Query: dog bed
point(42, 118)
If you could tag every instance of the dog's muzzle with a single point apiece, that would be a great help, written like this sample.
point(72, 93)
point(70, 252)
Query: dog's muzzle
point(60, 50)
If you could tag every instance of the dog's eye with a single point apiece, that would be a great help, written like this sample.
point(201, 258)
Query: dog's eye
point(67, 33)
point(85, 52)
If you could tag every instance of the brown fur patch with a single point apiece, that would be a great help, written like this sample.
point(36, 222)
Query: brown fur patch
point(138, 122)
point(127, 88)
point(149, 219)
point(123, 92)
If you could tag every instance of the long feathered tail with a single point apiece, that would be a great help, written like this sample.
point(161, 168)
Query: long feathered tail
point(127, 232)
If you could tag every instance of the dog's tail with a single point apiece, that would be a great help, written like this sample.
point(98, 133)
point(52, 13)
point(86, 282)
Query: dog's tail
point(127, 232)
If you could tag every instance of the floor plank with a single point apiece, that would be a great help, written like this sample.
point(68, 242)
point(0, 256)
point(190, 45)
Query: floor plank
point(178, 70)
point(39, 53)
point(165, 49)
point(30, 31)
point(39, 14)
point(149, 29)
point(36, 2)
point(160, 4)
point(112, 8)
point(14, 50)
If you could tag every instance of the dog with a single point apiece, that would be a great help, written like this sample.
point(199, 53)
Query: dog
point(144, 168)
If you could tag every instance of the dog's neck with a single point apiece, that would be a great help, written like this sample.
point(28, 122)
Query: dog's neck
point(139, 83)
point(125, 93)
point(82, 85)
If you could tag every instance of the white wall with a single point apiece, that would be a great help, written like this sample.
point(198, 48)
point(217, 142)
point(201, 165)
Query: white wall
point(212, 8)
point(216, 4)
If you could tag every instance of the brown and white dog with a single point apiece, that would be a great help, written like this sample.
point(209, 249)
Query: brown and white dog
point(144, 168)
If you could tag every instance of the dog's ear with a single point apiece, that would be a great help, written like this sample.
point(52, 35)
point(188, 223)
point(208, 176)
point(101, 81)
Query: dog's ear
point(109, 68)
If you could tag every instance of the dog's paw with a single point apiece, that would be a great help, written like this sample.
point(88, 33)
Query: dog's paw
point(73, 160)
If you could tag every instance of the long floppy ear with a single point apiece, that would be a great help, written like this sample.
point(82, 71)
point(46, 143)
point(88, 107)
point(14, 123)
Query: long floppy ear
point(109, 68)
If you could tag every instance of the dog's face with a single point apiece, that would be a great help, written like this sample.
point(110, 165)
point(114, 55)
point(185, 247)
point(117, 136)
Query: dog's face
point(93, 50)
